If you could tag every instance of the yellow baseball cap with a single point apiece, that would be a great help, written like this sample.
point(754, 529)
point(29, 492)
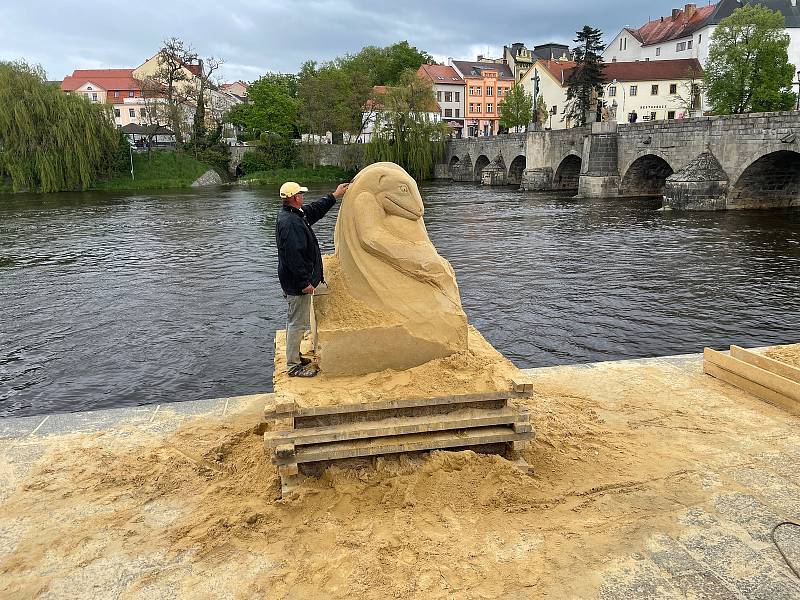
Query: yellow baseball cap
point(291, 188)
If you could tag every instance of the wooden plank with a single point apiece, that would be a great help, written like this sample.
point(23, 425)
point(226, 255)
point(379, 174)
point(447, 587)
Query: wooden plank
point(768, 364)
point(751, 387)
point(522, 386)
point(405, 443)
point(405, 403)
point(396, 426)
point(785, 387)
point(285, 452)
point(288, 470)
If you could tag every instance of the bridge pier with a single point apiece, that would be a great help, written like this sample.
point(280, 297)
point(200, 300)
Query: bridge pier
point(600, 177)
point(539, 179)
point(700, 185)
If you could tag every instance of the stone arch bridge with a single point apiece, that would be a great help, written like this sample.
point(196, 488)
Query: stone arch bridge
point(706, 163)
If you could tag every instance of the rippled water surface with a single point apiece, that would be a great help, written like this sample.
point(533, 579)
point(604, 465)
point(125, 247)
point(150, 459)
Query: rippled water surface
point(109, 300)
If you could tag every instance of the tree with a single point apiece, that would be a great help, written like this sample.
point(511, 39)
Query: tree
point(204, 87)
point(586, 79)
point(516, 108)
point(51, 141)
point(748, 67)
point(384, 66)
point(272, 105)
point(404, 132)
point(689, 92)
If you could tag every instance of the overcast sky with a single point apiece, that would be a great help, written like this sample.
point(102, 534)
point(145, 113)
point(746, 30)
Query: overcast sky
point(256, 36)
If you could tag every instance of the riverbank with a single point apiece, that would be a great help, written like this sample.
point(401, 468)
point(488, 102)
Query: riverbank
point(302, 175)
point(649, 479)
point(160, 170)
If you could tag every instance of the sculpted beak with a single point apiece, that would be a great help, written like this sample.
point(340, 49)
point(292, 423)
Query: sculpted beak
point(408, 208)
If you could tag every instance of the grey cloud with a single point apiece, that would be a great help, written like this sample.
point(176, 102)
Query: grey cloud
point(279, 35)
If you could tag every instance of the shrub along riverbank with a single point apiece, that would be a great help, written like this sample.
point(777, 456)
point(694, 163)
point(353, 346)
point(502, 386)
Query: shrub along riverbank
point(302, 175)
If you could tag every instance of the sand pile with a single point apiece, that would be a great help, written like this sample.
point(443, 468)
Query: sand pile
point(789, 354)
point(198, 514)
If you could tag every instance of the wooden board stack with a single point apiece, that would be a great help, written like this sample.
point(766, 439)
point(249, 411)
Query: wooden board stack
point(304, 441)
point(772, 380)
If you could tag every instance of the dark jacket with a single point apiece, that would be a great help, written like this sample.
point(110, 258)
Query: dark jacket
point(299, 256)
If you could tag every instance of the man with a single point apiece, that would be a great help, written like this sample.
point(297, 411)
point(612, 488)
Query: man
point(300, 265)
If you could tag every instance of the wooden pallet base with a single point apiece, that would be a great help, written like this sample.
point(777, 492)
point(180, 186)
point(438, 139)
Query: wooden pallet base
point(305, 441)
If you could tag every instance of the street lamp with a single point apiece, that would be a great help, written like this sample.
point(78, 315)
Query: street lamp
point(797, 105)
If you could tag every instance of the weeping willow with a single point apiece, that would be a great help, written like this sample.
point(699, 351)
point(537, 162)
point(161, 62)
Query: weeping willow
point(405, 133)
point(50, 141)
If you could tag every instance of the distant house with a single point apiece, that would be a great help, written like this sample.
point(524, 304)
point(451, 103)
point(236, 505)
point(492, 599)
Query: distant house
point(237, 88)
point(486, 82)
point(450, 91)
point(686, 32)
point(374, 113)
point(116, 87)
point(140, 135)
point(655, 90)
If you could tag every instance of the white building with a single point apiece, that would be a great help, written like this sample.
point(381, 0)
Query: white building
point(686, 33)
point(374, 115)
point(450, 91)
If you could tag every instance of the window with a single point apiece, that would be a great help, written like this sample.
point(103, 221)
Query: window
point(448, 96)
point(131, 112)
point(658, 51)
point(699, 38)
point(458, 113)
point(478, 91)
point(673, 88)
point(472, 90)
point(654, 90)
point(612, 91)
point(623, 43)
point(647, 59)
point(438, 96)
point(448, 112)
point(671, 114)
point(142, 113)
point(116, 94)
point(458, 96)
point(130, 94)
point(490, 91)
point(634, 90)
point(490, 108)
point(689, 45)
point(680, 47)
point(652, 116)
point(116, 113)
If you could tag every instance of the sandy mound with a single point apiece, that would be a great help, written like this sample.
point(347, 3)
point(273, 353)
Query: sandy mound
point(789, 354)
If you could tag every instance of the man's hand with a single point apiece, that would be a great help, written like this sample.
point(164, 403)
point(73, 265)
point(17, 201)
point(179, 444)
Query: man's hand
point(340, 190)
point(309, 289)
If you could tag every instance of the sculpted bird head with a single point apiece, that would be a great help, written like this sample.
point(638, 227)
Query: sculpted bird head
point(394, 189)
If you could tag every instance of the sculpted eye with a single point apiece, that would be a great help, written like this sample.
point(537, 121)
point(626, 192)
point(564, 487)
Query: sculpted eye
point(404, 189)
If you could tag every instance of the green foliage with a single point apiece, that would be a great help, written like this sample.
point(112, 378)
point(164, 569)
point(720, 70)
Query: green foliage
point(748, 67)
point(272, 105)
point(587, 79)
point(331, 98)
point(159, 170)
point(217, 156)
point(384, 66)
point(272, 152)
point(51, 141)
point(516, 108)
point(303, 175)
point(404, 133)
point(199, 126)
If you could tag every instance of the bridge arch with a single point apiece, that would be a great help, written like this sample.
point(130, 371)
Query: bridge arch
point(771, 180)
point(515, 170)
point(646, 175)
point(454, 166)
point(568, 172)
point(481, 162)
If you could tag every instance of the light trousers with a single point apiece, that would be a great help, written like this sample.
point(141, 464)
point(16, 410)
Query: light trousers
point(297, 322)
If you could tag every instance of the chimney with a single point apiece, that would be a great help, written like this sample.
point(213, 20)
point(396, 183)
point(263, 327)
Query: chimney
point(480, 57)
point(450, 61)
point(689, 10)
point(675, 13)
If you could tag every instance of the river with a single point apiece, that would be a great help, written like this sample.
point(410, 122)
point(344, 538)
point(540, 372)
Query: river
point(111, 299)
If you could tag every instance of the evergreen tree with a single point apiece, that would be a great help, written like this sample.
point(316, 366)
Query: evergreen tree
point(748, 67)
point(516, 108)
point(49, 140)
point(586, 79)
point(199, 126)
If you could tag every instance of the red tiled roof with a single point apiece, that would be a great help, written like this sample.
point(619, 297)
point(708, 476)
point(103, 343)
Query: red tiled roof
point(558, 68)
point(447, 73)
point(107, 79)
point(650, 70)
point(671, 27)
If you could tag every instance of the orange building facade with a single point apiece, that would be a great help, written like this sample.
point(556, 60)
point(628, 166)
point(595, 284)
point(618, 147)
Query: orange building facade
point(485, 85)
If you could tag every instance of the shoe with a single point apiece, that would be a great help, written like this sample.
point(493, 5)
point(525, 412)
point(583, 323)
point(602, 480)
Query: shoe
point(305, 361)
point(304, 371)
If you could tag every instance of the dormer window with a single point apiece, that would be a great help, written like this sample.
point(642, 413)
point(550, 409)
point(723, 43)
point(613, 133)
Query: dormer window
point(88, 87)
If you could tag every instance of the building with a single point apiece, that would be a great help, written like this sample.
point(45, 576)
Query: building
point(116, 87)
point(655, 90)
point(374, 115)
point(547, 79)
point(486, 83)
point(450, 91)
point(237, 88)
point(686, 33)
point(553, 51)
point(518, 58)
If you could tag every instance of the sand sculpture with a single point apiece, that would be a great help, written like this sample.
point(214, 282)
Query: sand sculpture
point(400, 296)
